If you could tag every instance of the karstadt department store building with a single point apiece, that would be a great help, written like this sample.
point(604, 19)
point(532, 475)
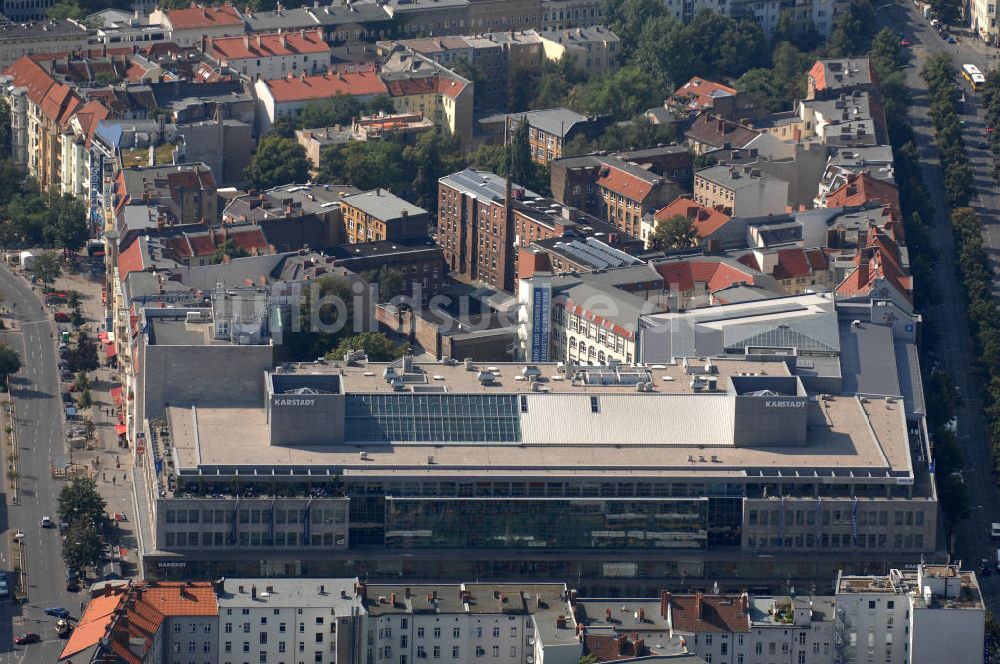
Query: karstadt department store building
point(625, 475)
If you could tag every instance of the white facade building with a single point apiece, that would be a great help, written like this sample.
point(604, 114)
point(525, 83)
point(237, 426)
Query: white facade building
point(925, 616)
point(289, 620)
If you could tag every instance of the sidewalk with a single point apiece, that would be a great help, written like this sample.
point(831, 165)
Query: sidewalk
point(112, 464)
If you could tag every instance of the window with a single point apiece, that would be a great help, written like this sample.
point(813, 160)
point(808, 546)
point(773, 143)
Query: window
point(454, 652)
point(437, 652)
point(496, 632)
point(420, 632)
point(404, 623)
point(513, 651)
point(437, 632)
point(281, 627)
point(456, 633)
point(496, 651)
point(228, 647)
point(263, 638)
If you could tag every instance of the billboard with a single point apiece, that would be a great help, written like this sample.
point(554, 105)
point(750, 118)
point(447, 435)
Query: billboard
point(541, 322)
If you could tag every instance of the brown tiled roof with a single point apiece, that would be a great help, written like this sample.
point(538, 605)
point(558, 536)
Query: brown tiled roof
point(627, 184)
point(718, 613)
point(203, 17)
point(705, 220)
point(718, 132)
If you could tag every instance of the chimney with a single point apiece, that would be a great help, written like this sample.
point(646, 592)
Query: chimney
point(664, 603)
point(253, 592)
point(642, 615)
point(283, 40)
point(697, 605)
point(622, 640)
point(246, 42)
point(392, 598)
point(258, 41)
point(720, 125)
point(607, 614)
point(406, 592)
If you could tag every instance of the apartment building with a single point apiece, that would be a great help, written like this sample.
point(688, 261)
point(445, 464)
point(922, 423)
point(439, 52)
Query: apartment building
point(271, 55)
point(289, 620)
point(900, 616)
point(550, 129)
point(374, 216)
point(188, 26)
point(359, 21)
point(507, 623)
point(40, 107)
point(592, 49)
point(482, 221)
point(285, 97)
point(417, 84)
point(629, 192)
point(569, 14)
point(835, 76)
point(19, 39)
point(740, 191)
point(182, 193)
point(711, 132)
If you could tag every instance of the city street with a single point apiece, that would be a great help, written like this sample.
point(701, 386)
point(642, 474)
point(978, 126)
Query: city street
point(972, 535)
point(39, 430)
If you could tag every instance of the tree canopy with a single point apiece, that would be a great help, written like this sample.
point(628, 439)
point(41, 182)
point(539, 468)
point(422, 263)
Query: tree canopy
point(46, 267)
point(278, 161)
point(80, 504)
point(377, 346)
point(10, 362)
point(674, 233)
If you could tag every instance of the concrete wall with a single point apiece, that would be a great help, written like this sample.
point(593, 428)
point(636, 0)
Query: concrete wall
point(313, 419)
point(225, 147)
point(964, 641)
point(181, 374)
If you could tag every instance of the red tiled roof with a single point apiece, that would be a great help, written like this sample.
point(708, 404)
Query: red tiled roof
point(449, 86)
point(304, 88)
point(606, 647)
point(269, 45)
point(203, 17)
point(251, 239)
point(93, 624)
point(89, 116)
point(627, 184)
point(57, 101)
point(750, 261)
point(195, 598)
point(130, 260)
point(817, 259)
point(863, 188)
point(201, 244)
point(718, 613)
point(716, 274)
point(135, 72)
point(792, 263)
point(413, 86)
point(705, 220)
point(879, 260)
point(697, 93)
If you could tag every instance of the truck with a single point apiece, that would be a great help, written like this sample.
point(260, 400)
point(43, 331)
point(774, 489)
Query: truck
point(62, 628)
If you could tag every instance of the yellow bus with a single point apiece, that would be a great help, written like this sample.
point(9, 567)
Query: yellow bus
point(973, 76)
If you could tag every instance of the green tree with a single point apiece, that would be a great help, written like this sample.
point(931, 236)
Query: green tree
point(389, 282)
point(377, 346)
point(663, 54)
point(80, 504)
point(946, 11)
point(84, 356)
point(284, 127)
point(790, 29)
point(46, 268)
point(674, 233)
point(338, 110)
point(81, 547)
point(555, 80)
point(636, 133)
point(278, 161)
point(852, 30)
point(371, 164)
point(432, 156)
point(522, 88)
point(5, 137)
point(380, 104)
point(628, 18)
point(10, 362)
point(624, 94)
point(491, 158)
point(227, 250)
point(886, 54)
point(66, 9)
point(65, 222)
point(474, 73)
point(520, 168)
point(86, 400)
point(763, 88)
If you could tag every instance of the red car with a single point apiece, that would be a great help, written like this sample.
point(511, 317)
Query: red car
point(26, 639)
point(62, 317)
point(904, 42)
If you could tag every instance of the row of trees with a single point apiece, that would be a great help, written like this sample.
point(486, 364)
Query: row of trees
point(889, 61)
point(940, 74)
point(991, 104)
point(82, 507)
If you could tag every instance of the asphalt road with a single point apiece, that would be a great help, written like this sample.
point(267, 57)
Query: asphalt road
point(971, 541)
point(39, 427)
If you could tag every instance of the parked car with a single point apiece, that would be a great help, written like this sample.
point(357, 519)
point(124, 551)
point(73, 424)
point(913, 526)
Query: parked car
point(62, 317)
point(25, 639)
point(995, 531)
point(4, 589)
point(902, 42)
point(47, 522)
point(57, 612)
point(62, 628)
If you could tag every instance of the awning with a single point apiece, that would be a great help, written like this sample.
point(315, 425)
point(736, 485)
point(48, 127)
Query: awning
point(110, 350)
point(120, 429)
point(103, 336)
point(116, 394)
